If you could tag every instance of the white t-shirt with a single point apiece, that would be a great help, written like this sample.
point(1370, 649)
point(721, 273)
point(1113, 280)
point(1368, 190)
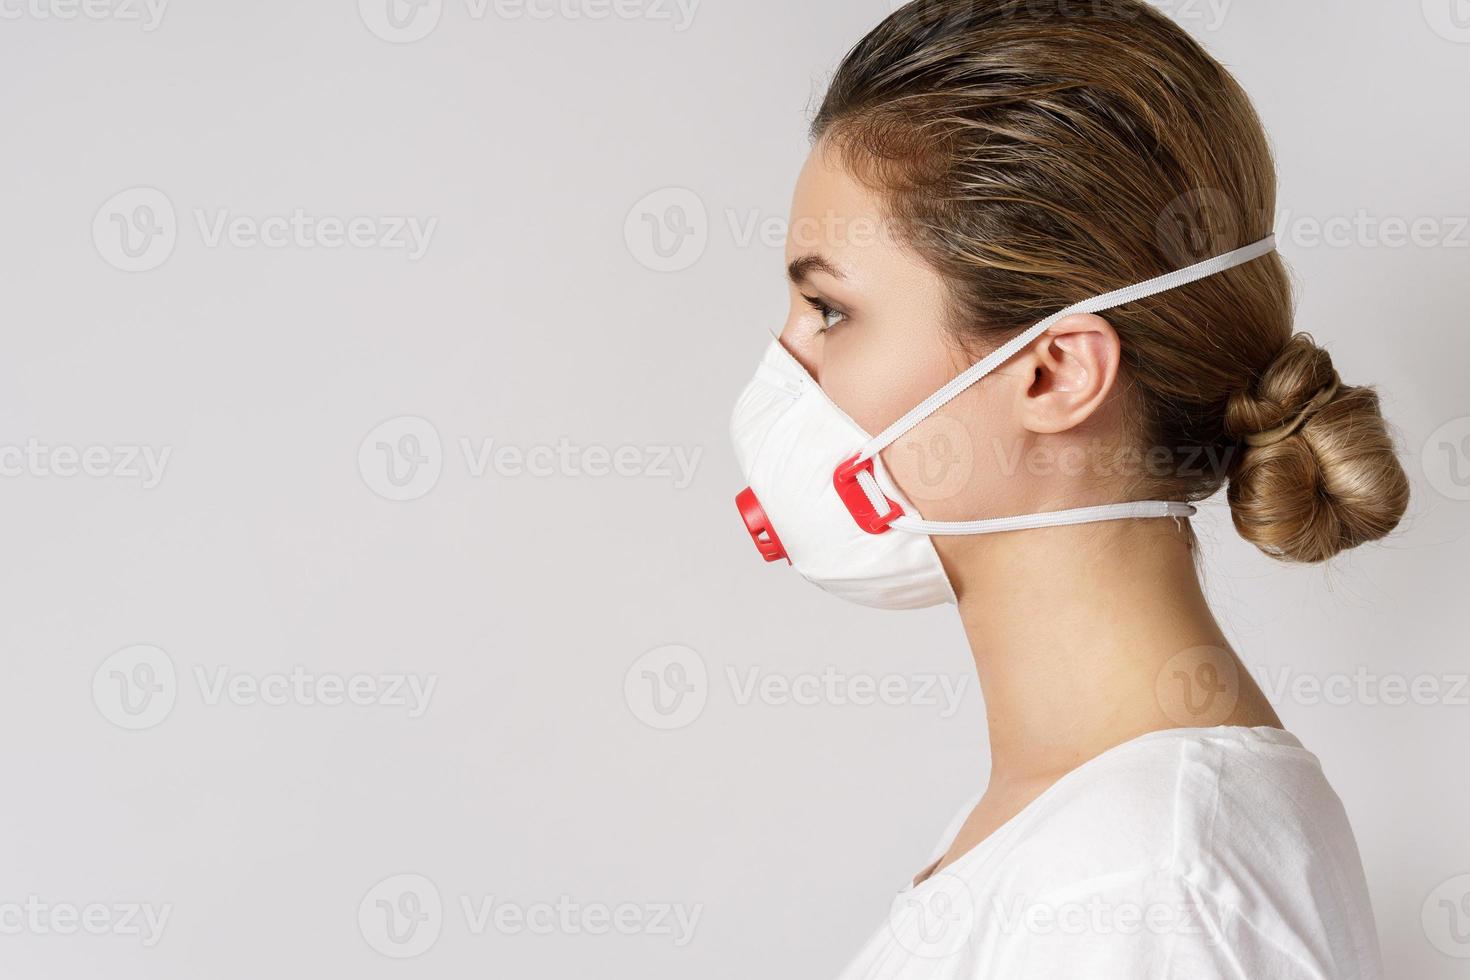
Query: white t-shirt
point(1187, 854)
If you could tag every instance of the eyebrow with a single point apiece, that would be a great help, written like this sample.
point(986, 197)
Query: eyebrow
point(800, 269)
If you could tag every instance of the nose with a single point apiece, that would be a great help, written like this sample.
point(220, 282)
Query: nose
point(804, 346)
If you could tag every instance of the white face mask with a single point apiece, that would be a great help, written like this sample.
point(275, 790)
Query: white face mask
point(819, 495)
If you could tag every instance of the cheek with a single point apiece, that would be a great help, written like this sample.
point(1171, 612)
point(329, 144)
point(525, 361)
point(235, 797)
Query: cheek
point(951, 466)
point(967, 460)
point(877, 377)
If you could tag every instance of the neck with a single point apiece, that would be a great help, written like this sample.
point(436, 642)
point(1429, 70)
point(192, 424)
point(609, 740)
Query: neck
point(1082, 638)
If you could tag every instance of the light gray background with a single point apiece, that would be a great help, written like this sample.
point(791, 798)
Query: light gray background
point(538, 315)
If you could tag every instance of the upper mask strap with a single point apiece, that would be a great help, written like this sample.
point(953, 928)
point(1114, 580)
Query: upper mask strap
point(1107, 301)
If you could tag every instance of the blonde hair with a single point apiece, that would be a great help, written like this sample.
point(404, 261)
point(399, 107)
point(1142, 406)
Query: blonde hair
point(1036, 154)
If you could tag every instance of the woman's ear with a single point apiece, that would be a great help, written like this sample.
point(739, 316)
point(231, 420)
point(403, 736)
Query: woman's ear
point(1073, 366)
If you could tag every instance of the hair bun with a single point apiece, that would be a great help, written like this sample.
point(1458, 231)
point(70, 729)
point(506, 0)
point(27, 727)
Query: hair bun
point(1317, 473)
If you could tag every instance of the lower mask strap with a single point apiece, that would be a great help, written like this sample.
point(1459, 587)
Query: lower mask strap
point(1060, 518)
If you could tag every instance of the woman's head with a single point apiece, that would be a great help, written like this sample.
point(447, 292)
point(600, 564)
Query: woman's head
point(980, 164)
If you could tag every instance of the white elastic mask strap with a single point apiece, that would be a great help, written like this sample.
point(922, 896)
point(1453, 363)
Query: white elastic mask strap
point(1060, 518)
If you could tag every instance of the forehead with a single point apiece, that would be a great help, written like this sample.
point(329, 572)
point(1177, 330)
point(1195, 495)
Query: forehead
point(838, 218)
point(831, 212)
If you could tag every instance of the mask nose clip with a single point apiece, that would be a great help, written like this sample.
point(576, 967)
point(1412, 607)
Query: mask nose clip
point(759, 526)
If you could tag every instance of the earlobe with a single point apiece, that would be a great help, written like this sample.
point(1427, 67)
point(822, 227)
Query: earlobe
point(1074, 365)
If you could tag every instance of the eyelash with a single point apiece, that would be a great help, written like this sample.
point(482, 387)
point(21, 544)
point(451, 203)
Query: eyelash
point(816, 303)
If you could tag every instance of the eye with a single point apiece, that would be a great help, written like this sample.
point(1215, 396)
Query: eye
point(830, 316)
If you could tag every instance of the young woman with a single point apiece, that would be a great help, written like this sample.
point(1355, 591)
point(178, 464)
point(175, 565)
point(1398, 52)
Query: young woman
point(1031, 250)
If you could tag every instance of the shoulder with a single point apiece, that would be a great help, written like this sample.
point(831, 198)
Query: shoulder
point(1172, 800)
point(1209, 847)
